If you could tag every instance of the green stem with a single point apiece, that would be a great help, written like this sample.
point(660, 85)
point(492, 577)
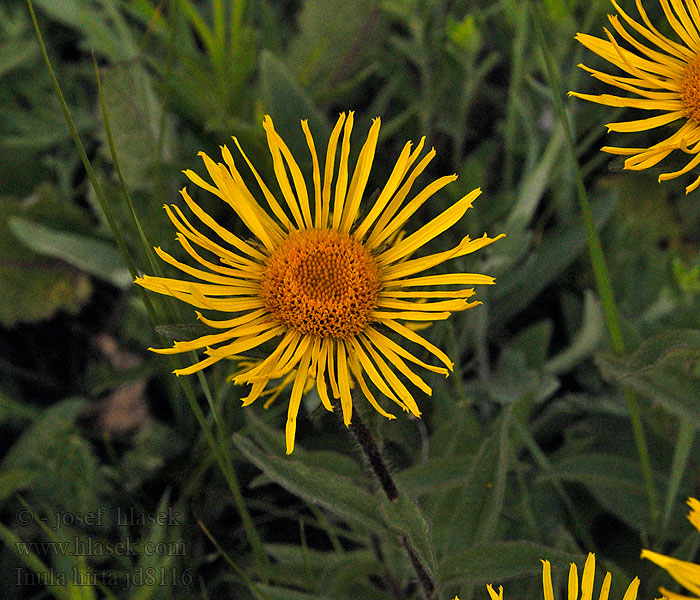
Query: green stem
point(378, 465)
point(222, 458)
point(544, 464)
point(684, 444)
point(600, 271)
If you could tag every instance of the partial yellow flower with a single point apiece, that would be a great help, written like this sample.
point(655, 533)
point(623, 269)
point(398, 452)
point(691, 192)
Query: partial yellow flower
point(664, 75)
point(685, 573)
point(573, 587)
point(331, 288)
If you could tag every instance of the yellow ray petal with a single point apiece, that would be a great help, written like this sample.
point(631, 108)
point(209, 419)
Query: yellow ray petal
point(320, 376)
point(281, 173)
point(387, 351)
point(374, 375)
point(684, 28)
point(412, 336)
point(360, 177)
point(433, 228)
point(492, 593)
point(341, 185)
point(694, 514)
point(328, 170)
point(316, 174)
point(357, 374)
point(297, 177)
point(228, 323)
point(186, 229)
point(644, 124)
point(344, 382)
point(295, 401)
point(396, 202)
point(269, 196)
point(245, 344)
point(652, 34)
point(547, 580)
point(391, 378)
point(605, 588)
point(387, 192)
point(222, 232)
point(587, 579)
point(399, 220)
point(380, 339)
point(445, 279)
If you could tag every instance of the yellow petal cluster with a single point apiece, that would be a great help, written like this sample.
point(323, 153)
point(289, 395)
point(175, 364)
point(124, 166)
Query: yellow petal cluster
point(325, 285)
point(586, 583)
point(661, 75)
point(685, 573)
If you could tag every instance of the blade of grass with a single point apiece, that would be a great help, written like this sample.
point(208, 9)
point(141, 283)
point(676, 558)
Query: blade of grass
point(222, 458)
point(240, 572)
point(600, 268)
point(81, 151)
point(148, 250)
point(684, 444)
point(544, 464)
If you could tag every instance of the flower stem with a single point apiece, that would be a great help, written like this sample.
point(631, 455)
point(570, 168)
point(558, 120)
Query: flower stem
point(600, 270)
point(373, 455)
point(378, 465)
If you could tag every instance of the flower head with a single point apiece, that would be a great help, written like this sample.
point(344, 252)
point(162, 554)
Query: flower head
point(330, 289)
point(661, 74)
point(685, 573)
point(573, 586)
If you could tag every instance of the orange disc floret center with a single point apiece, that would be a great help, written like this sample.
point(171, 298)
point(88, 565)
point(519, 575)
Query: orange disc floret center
point(321, 282)
point(690, 89)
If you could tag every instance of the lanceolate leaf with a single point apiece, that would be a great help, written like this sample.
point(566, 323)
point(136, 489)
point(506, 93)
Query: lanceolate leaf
point(91, 255)
point(316, 485)
point(498, 562)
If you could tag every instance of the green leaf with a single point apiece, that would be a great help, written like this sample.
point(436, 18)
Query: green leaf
point(15, 480)
point(104, 30)
point(665, 369)
point(468, 514)
point(287, 103)
point(513, 380)
point(316, 485)
point(53, 580)
point(135, 119)
point(544, 264)
point(12, 410)
point(272, 441)
point(434, 474)
point(278, 593)
point(97, 257)
point(325, 50)
point(303, 567)
point(33, 287)
point(14, 55)
point(587, 339)
point(667, 348)
point(615, 481)
point(406, 520)
point(498, 562)
point(68, 472)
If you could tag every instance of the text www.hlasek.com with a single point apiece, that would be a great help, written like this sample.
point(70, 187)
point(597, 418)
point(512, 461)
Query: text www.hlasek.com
point(90, 547)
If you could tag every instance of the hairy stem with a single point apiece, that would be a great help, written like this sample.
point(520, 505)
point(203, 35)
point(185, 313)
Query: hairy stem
point(378, 465)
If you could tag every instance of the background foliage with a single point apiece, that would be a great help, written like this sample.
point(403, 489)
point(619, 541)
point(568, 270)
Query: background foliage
point(526, 452)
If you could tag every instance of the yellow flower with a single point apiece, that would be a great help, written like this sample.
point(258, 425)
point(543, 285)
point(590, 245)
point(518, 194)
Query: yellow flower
point(586, 583)
point(664, 74)
point(327, 286)
point(685, 573)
